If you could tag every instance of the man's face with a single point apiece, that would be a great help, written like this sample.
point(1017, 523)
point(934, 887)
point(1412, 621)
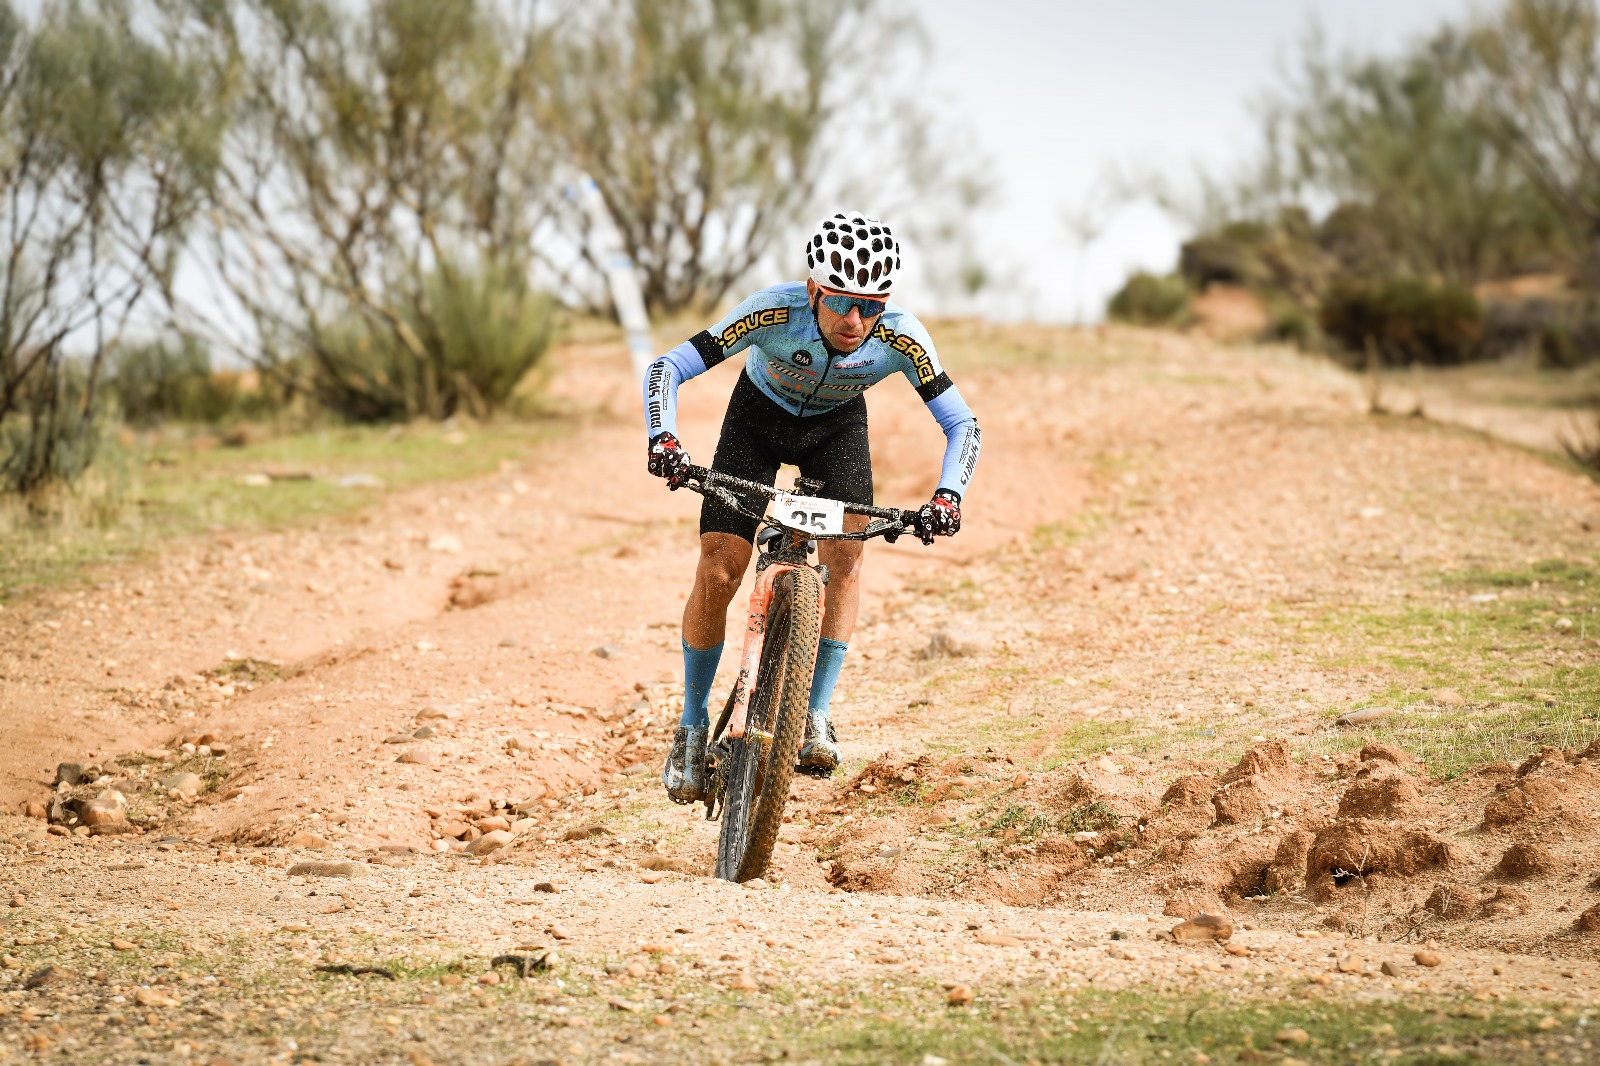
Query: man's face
point(844, 333)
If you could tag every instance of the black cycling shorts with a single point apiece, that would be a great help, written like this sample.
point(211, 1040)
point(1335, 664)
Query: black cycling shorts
point(758, 436)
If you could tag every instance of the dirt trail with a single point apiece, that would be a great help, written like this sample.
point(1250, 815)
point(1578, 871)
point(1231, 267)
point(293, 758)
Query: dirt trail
point(1150, 515)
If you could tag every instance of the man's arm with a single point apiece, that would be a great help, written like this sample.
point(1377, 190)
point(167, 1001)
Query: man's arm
point(963, 440)
point(688, 360)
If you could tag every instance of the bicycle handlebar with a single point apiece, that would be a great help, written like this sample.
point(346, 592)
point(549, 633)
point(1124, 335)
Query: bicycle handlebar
point(889, 522)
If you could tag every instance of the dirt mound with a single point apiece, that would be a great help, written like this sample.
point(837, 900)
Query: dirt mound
point(1589, 920)
point(1524, 802)
point(1449, 902)
point(1270, 759)
point(1383, 796)
point(1507, 902)
point(1364, 852)
point(1287, 871)
point(1522, 861)
point(1373, 752)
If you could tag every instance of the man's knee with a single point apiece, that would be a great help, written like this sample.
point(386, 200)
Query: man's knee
point(721, 568)
point(843, 560)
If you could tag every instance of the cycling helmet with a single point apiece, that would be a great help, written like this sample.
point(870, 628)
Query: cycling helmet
point(850, 252)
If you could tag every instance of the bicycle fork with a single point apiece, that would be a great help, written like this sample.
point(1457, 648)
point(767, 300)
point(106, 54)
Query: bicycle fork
point(755, 631)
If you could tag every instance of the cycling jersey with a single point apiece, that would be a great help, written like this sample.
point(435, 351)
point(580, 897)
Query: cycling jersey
point(789, 363)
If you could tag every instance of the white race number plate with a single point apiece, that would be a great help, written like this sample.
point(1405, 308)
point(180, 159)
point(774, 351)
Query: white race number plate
point(808, 514)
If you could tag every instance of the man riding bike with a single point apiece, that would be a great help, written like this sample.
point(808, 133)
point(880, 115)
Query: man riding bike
point(813, 350)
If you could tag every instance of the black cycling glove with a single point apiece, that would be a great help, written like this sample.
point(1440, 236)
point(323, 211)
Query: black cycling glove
point(668, 459)
point(940, 516)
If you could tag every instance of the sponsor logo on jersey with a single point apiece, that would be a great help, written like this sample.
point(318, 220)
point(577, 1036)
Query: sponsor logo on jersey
point(847, 388)
point(855, 377)
point(918, 355)
point(778, 370)
point(772, 316)
point(660, 381)
point(801, 358)
point(852, 366)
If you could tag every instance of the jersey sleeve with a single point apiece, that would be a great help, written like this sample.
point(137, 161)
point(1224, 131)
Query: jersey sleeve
point(702, 352)
point(920, 364)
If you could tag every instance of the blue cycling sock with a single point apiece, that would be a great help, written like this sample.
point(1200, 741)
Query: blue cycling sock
point(699, 670)
point(830, 660)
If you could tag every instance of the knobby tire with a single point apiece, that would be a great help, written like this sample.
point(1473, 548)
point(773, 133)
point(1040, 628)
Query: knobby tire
point(757, 787)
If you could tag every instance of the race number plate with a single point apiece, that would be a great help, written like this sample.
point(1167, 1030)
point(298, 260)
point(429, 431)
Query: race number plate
point(808, 514)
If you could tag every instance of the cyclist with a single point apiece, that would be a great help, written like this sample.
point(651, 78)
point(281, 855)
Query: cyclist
point(813, 350)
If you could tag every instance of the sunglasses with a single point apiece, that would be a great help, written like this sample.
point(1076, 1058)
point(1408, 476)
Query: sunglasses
point(840, 303)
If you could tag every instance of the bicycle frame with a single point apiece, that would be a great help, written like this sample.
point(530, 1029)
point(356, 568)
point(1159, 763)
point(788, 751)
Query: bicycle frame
point(754, 636)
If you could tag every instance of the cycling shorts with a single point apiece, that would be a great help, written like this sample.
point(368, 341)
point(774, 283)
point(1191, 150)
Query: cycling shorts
point(758, 436)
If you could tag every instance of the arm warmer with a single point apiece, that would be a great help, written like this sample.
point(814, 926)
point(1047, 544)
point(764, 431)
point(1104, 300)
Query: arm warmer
point(661, 381)
point(963, 441)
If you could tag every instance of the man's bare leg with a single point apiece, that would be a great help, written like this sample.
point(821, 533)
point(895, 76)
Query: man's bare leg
point(723, 559)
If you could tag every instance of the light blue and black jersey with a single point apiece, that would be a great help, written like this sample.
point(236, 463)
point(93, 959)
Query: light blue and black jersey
point(792, 367)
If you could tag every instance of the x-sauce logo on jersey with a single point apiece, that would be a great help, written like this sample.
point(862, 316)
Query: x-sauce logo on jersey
point(915, 352)
point(772, 316)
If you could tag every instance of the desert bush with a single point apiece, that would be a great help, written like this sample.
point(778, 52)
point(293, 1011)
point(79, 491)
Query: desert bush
point(169, 380)
point(478, 331)
point(1147, 299)
point(53, 433)
point(1407, 320)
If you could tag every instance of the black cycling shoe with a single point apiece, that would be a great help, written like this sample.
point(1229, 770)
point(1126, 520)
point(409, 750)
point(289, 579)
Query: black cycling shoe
point(819, 755)
point(685, 772)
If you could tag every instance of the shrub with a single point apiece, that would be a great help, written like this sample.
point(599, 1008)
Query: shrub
point(477, 333)
point(1408, 320)
point(52, 434)
point(169, 380)
point(1148, 300)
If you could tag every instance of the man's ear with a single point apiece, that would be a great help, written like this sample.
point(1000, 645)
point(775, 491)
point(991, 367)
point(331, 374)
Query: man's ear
point(811, 289)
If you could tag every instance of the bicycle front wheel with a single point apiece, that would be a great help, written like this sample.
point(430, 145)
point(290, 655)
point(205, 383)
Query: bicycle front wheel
point(760, 764)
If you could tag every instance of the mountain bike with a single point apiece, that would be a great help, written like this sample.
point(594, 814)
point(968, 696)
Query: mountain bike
point(751, 754)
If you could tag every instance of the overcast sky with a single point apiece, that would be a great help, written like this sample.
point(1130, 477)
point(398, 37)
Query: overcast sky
point(1054, 91)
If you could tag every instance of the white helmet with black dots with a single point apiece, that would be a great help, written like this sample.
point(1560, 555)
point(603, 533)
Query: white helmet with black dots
point(850, 252)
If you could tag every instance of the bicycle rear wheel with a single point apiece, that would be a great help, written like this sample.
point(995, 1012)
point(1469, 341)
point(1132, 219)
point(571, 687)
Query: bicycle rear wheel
point(760, 765)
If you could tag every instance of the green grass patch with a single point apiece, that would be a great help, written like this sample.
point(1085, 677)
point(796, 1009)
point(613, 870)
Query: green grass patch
point(1137, 1027)
point(168, 488)
point(1515, 645)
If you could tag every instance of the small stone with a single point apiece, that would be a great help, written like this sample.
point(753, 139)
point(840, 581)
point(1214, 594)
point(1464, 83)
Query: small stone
point(19, 900)
point(1292, 1035)
point(954, 644)
point(636, 969)
point(492, 823)
point(609, 651)
point(585, 832)
point(452, 980)
point(999, 940)
point(35, 809)
point(399, 738)
point(123, 945)
point(547, 886)
point(1237, 950)
point(1427, 958)
point(1389, 969)
point(1563, 624)
point(491, 841)
point(959, 996)
point(435, 712)
point(424, 732)
point(416, 758)
point(756, 882)
point(489, 979)
point(186, 784)
point(69, 774)
point(1201, 928)
point(618, 1003)
point(743, 983)
point(150, 997)
point(445, 543)
point(305, 839)
point(662, 1020)
point(1449, 697)
point(45, 976)
point(653, 877)
point(328, 869)
point(1361, 717)
point(508, 642)
point(106, 810)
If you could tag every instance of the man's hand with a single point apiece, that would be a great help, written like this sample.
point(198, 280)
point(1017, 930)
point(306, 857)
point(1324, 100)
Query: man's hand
point(940, 516)
point(669, 460)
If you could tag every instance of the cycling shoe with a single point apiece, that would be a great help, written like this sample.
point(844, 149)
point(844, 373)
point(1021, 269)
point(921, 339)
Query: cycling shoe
point(685, 772)
point(819, 755)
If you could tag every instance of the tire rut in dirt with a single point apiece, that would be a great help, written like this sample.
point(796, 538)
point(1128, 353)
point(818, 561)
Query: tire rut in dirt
point(757, 790)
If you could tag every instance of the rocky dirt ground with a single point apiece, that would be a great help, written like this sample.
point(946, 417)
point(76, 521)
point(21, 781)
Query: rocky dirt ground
point(1214, 641)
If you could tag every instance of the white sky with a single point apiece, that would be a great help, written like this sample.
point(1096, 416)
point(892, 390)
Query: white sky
point(1055, 91)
